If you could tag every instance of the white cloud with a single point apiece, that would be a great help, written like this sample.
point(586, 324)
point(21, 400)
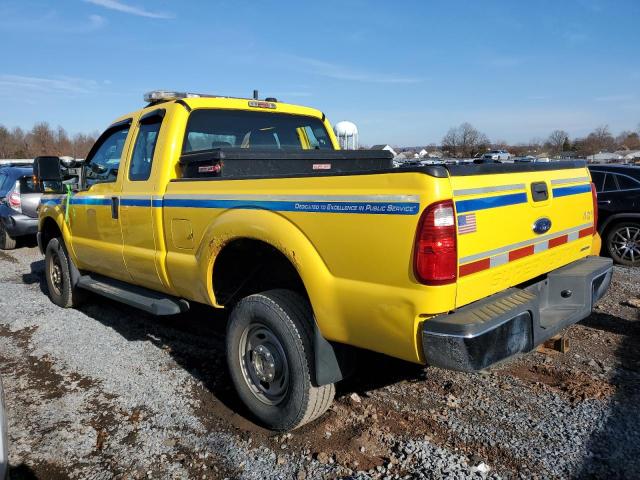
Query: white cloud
point(15, 85)
point(340, 72)
point(130, 9)
point(615, 98)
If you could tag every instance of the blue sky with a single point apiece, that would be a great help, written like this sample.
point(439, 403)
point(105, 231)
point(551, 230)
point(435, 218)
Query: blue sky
point(403, 71)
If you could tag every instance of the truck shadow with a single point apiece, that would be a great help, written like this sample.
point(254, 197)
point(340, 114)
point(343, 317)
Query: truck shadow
point(196, 341)
point(613, 451)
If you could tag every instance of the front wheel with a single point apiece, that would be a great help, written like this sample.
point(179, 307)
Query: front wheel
point(623, 244)
point(270, 359)
point(57, 269)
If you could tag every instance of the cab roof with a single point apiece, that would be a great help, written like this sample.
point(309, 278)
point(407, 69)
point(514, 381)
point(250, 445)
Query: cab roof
point(191, 102)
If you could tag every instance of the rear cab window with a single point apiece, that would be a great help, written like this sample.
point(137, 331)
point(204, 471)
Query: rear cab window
point(215, 128)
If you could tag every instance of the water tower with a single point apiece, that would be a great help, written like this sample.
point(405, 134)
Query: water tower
point(347, 134)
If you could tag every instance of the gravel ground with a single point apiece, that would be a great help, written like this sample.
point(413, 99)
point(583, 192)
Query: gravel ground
point(109, 392)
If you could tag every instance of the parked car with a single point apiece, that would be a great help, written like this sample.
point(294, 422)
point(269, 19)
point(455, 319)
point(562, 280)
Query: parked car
point(500, 155)
point(19, 200)
point(618, 188)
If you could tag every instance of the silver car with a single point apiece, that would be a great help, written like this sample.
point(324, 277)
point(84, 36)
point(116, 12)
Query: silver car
point(500, 155)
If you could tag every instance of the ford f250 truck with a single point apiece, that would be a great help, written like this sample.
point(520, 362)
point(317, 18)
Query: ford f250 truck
point(250, 205)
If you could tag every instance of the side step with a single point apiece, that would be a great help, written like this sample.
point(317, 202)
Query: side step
point(133, 295)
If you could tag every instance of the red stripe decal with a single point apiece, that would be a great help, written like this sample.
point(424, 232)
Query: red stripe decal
point(554, 242)
point(520, 253)
point(473, 267)
point(585, 232)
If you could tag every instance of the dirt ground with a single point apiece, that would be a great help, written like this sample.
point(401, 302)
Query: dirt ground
point(109, 392)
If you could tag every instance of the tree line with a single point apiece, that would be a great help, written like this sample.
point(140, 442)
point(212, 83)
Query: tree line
point(43, 140)
point(466, 141)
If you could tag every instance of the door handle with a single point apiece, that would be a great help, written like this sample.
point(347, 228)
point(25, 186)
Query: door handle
point(604, 202)
point(115, 207)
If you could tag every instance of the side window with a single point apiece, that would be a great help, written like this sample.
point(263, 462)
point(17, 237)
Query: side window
point(609, 183)
point(104, 161)
point(27, 185)
point(627, 183)
point(598, 180)
point(144, 148)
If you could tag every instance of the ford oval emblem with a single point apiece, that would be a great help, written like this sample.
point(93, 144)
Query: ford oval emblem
point(542, 225)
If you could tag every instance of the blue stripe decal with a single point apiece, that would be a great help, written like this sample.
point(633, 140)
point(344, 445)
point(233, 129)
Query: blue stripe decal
point(564, 191)
point(390, 208)
point(136, 202)
point(90, 201)
point(51, 201)
point(464, 206)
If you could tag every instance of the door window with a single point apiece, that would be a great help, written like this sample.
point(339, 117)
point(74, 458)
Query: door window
point(627, 183)
point(104, 161)
point(598, 180)
point(609, 183)
point(142, 159)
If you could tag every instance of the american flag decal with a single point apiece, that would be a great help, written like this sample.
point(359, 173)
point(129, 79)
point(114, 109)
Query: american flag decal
point(467, 223)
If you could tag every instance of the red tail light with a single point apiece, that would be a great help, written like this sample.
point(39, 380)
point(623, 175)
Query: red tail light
point(13, 198)
point(594, 197)
point(435, 260)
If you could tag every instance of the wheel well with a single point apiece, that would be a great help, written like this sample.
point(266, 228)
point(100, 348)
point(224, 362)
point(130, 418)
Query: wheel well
point(48, 231)
point(246, 266)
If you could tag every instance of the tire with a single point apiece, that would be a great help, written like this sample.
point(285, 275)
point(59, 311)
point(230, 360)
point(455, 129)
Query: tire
point(270, 359)
point(7, 242)
point(623, 243)
point(57, 268)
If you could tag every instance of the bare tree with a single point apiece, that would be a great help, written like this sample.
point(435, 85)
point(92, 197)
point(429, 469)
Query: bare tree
point(556, 140)
point(41, 139)
point(464, 141)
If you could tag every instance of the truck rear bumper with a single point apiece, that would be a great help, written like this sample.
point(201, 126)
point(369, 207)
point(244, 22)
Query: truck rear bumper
point(517, 319)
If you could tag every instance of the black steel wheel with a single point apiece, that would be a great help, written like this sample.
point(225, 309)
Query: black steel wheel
point(270, 359)
point(57, 268)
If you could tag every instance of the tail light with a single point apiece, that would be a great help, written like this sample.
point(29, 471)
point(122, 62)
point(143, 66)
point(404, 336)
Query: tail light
point(13, 198)
point(594, 198)
point(435, 260)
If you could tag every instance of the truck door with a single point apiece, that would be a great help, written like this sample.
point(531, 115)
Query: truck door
point(140, 203)
point(94, 213)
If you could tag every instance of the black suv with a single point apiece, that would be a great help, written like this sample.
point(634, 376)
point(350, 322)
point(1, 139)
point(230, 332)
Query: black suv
point(19, 200)
point(618, 188)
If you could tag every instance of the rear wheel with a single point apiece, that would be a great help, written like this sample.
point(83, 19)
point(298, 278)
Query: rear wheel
point(623, 243)
point(7, 242)
point(270, 358)
point(57, 267)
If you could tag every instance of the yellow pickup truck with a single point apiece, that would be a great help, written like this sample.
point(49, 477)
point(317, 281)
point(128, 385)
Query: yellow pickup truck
point(250, 205)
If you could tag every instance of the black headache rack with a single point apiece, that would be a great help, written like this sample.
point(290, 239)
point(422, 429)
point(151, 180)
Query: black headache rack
point(243, 163)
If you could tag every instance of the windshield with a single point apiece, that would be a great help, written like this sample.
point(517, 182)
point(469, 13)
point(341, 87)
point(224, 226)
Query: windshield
point(208, 128)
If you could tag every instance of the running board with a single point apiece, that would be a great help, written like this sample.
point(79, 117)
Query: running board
point(150, 301)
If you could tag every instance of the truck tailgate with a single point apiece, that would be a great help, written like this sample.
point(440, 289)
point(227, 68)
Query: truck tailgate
point(517, 222)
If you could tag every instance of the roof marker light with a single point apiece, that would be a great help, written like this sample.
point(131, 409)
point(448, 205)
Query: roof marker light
point(165, 95)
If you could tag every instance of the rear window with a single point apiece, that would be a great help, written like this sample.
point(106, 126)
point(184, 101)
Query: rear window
point(209, 129)
point(27, 185)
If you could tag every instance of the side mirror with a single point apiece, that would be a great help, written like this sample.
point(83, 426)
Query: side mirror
point(47, 169)
point(48, 174)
